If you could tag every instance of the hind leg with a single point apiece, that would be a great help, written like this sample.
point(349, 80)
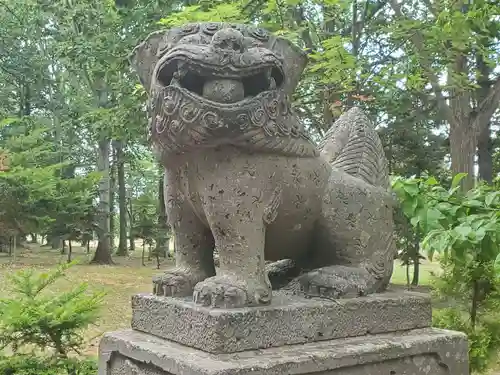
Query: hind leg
point(355, 249)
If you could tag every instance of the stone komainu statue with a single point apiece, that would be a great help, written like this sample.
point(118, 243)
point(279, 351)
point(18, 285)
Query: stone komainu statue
point(244, 177)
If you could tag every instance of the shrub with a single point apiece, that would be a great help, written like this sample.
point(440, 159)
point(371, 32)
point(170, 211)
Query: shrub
point(464, 229)
point(28, 364)
point(41, 332)
point(484, 338)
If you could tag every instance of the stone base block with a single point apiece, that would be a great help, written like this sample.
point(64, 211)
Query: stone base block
point(425, 351)
point(288, 320)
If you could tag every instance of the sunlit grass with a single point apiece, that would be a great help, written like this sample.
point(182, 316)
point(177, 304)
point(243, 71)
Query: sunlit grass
point(427, 269)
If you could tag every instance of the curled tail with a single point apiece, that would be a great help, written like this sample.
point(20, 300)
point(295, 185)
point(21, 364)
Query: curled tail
point(353, 145)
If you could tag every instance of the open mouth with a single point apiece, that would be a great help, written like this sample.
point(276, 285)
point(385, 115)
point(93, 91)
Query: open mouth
point(220, 87)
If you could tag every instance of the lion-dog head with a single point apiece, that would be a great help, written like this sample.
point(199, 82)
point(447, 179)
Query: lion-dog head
point(216, 84)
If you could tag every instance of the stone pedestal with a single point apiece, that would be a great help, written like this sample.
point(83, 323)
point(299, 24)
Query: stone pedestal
point(384, 334)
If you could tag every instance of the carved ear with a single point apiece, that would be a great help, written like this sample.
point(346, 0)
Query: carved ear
point(295, 61)
point(144, 57)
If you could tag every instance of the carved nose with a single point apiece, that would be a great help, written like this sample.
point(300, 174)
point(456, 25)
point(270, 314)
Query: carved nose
point(228, 39)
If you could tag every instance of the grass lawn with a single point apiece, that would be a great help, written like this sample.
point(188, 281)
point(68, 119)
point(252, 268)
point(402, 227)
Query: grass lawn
point(427, 269)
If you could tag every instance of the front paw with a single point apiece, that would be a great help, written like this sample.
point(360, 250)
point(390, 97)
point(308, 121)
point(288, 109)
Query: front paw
point(230, 292)
point(175, 283)
point(337, 282)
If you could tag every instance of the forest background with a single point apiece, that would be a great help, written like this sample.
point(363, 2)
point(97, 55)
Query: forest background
point(75, 162)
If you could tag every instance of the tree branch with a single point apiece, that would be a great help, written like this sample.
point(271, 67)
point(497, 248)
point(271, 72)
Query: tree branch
point(12, 12)
point(425, 61)
point(488, 106)
point(431, 8)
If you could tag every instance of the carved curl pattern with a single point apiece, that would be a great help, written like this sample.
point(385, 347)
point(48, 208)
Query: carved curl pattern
point(190, 28)
point(175, 35)
point(170, 103)
point(259, 37)
point(272, 109)
point(160, 124)
point(189, 113)
point(210, 28)
point(260, 34)
point(258, 116)
point(271, 129)
point(184, 121)
point(176, 126)
point(243, 120)
point(212, 120)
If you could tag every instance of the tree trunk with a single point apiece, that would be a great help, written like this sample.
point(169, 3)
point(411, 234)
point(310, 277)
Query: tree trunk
point(485, 154)
point(131, 224)
point(112, 190)
point(122, 199)
point(416, 267)
point(102, 254)
point(162, 236)
point(408, 275)
point(462, 150)
point(55, 242)
point(143, 252)
point(484, 141)
point(14, 248)
point(70, 251)
point(20, 239)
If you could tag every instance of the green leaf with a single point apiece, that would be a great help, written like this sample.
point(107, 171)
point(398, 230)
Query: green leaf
point(8, 121)
point(411, 189)
point(497, 264)
point(432, 217)
point(415, 220)
point(431, 181)
point(457, 179)
point(409, 207)
point(463, 231)
point(492, 198)
point(480, 234)
point(436, 241)
point(473, 203)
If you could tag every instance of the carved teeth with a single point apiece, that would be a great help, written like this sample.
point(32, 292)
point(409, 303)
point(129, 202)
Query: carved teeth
point(270, 79)
point(182, 70)
point(175, 79)
point(272, 84)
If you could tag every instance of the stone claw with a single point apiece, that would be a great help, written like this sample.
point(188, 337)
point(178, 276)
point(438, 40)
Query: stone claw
point(228, 292)
point(336, 282)
point(175, 283)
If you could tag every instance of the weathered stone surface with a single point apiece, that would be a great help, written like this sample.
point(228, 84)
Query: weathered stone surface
point(244, 177)
point(425, 351)
point(288, 320)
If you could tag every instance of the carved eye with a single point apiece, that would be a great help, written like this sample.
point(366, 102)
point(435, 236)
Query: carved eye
point(260, 34)
point(210, 28)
